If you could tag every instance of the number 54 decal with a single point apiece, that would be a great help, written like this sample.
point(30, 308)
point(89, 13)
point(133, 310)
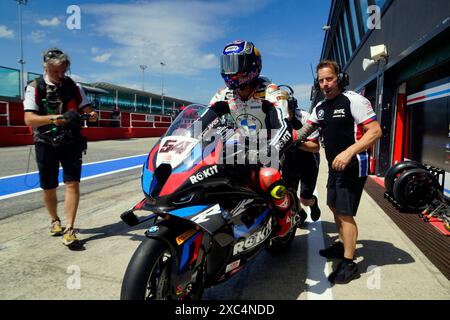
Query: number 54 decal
point(174, 146)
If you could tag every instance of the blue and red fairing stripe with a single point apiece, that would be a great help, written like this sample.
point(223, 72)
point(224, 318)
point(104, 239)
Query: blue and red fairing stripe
point(187, 252)
point(147, 181)
point(175, 180)
point(151, 160)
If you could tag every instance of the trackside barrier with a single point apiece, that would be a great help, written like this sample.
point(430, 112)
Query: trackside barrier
point(22, 135)
point(4, 113)
point(139, 120)
point(110, 125)
point(109, 118)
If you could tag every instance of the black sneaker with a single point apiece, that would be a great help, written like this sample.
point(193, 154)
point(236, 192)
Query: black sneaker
point(315, 210)
point(335, 251)
point(303, 215)
point(344, 273)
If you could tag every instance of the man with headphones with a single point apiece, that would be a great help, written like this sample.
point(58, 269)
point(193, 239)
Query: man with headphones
point(50, 103)
point(348, 128)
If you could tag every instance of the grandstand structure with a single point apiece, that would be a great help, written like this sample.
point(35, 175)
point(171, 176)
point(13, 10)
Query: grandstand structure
point(123, 112)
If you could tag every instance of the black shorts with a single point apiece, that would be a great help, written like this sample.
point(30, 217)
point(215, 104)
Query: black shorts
point(301, 166)
point(48, 159)
point(344, 193)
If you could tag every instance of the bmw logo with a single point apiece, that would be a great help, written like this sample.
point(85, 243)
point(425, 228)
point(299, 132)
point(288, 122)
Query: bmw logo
point(153, 229)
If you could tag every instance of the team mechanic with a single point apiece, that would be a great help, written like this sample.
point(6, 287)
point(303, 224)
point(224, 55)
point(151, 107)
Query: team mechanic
point(349, 128)
point(256, 104)
point(52, 104)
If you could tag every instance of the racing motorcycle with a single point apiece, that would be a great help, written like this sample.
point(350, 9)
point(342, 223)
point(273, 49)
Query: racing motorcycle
point(205, 222)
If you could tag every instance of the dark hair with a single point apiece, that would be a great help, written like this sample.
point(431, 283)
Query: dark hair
point(328, 64)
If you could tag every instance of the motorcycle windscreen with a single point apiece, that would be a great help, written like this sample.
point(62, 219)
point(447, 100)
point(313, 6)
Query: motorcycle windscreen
point(175, 150)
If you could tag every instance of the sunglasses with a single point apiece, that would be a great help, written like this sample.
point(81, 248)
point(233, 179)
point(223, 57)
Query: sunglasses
point(52, 54)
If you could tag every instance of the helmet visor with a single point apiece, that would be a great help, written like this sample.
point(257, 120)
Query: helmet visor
point(233, 63)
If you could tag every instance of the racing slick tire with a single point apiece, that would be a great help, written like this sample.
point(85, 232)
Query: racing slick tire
point(415, 189)
point(395, 171)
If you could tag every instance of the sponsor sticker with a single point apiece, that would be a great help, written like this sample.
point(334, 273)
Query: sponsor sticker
point(253, 240)
point(339, 113)
point(205, 215)
point(320, 114)
point(232, 266)
point(200, 176)
point(231, 49)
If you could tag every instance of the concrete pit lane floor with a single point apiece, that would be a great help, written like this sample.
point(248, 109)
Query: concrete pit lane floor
point(34, 265)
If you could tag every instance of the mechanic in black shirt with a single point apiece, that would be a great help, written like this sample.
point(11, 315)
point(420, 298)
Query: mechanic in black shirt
point(349, 128)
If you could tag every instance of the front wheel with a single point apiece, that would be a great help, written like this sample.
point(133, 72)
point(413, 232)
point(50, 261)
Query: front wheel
point(148, 273)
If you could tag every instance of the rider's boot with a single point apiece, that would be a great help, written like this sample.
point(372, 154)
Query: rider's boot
point(270, 182)
point(284, 215)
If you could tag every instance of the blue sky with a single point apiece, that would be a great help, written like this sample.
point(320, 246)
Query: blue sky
point(115, 37)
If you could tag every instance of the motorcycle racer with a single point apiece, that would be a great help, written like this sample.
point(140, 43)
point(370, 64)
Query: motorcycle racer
point(257, 104)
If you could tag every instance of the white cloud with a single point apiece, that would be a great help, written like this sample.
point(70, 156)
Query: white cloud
point(175, 32)
point(49, 22)
point(102, 57)
point(6, 33)
point(37, 36)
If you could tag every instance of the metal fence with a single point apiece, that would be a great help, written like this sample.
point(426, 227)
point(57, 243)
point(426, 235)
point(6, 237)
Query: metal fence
point(9, 82)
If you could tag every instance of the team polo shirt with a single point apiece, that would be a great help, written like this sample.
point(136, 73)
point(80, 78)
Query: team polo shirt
point(341, 122)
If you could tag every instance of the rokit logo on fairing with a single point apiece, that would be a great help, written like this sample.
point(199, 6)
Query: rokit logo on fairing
point(253, 240)
point(203, 174)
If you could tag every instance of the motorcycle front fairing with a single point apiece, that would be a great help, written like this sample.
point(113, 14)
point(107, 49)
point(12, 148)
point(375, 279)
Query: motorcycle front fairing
point(181, 157)
point(181, 179)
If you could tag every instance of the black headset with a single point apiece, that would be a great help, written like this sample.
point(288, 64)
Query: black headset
point(343, 79)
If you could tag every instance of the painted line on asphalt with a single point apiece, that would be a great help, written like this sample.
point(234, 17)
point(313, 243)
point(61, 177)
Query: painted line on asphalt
point(318, 268)
point(16, 185)
point(319, 288)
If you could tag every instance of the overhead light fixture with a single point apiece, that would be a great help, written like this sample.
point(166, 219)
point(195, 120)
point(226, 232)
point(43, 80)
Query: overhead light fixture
point(367, 63)
point(377, 53)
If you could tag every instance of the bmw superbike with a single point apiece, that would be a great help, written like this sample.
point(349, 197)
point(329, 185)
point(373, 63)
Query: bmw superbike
point(206, 221)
